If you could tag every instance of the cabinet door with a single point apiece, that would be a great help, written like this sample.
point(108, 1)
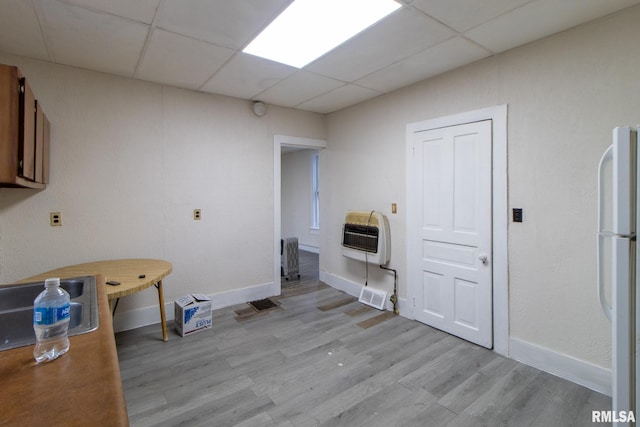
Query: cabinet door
point(45, 150)
point(27, 140)
point(42, 146)
point(9, 119)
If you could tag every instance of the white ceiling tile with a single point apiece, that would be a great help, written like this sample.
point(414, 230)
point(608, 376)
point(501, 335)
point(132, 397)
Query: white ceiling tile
point(196, 43)
point(339, 98)
point(19, 30)
point(435, 60)
point(298, 88)
point(181, 61)
point(462, 15)
point(245, 76)
point(138, 10)
point(539, 19)
point(92, 40)
point(403, 33)
point(229, 23)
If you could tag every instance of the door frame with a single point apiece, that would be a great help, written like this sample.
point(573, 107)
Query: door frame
point(280, 141)
point(500, 285)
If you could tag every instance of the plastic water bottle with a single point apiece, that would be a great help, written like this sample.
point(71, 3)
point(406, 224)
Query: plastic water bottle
point(51, 311)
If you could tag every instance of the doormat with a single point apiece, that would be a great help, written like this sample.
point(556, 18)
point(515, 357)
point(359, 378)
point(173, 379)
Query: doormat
point(263, 304)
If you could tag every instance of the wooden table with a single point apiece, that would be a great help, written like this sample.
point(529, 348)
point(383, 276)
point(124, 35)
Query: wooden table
point(134, 276)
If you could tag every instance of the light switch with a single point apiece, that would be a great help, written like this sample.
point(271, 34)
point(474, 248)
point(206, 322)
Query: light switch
point(517, 214)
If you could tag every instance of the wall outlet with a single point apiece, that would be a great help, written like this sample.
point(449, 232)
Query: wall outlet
point(197, 214)
point(55, 219)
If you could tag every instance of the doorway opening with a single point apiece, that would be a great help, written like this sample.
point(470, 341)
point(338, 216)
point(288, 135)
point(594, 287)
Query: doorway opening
point(289, 161)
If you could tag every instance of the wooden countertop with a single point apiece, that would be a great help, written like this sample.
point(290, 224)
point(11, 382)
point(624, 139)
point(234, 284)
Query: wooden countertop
point(82, 387)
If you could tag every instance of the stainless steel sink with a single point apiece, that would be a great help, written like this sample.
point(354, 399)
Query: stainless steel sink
point(16, 310)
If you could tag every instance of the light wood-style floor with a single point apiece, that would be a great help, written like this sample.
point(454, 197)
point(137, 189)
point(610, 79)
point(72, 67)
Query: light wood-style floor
point(323, 359)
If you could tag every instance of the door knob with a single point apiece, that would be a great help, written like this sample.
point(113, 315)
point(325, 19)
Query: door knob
point(483, 258)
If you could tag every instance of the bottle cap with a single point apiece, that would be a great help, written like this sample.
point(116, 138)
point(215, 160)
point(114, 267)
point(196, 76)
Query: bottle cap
point(53, 281)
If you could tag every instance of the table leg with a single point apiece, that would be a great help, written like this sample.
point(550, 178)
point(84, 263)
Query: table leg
point(113, 304)
point(163, 319)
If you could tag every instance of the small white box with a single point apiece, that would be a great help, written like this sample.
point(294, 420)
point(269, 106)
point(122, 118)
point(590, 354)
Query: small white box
point(192, 314)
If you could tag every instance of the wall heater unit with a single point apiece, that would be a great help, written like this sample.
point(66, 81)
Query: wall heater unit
point(365, 237)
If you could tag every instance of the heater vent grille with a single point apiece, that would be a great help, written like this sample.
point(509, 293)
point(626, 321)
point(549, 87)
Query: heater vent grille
point(366, 237)
point(373, 297)
point(361, 237)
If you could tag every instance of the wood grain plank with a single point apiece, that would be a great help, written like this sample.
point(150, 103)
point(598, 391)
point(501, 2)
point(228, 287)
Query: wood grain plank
point(310, 363)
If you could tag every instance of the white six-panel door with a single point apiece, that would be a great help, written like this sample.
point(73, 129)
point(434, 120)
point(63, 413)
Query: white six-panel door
point(449, 255)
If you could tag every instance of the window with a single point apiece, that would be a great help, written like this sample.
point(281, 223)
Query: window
point(315, 193)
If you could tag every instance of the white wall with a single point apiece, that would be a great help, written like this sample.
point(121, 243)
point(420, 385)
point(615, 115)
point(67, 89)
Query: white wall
point(564, 93)
point(129, 162)
point(296, 198)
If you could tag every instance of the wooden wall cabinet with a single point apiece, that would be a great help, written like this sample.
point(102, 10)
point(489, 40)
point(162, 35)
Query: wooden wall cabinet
point(24, 133)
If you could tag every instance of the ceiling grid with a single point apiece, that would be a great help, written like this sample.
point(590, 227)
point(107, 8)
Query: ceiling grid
point(198, 44)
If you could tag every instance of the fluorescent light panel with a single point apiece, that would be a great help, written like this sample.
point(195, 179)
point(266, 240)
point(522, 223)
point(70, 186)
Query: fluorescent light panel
point(308, 29)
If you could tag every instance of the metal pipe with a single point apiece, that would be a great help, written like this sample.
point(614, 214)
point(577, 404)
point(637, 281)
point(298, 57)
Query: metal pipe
point(394, 297)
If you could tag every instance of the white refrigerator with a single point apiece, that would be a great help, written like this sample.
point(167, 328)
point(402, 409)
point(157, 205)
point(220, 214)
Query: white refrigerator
point(618, 184)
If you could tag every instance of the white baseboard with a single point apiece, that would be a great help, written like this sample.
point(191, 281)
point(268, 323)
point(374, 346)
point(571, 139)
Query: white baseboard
point(572, 369)
point(139, 317)
point(340, 283)
point(353, 289)
point(150, 315)
point(240, 296)
point(307, 248)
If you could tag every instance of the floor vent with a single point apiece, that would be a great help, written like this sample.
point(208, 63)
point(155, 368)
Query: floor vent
point(263, 304)
point(373, 297)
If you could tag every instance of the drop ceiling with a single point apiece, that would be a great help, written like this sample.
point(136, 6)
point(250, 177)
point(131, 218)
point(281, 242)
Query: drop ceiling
point(197, 44)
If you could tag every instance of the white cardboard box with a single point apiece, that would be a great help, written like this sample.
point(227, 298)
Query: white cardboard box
point(192, 314)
